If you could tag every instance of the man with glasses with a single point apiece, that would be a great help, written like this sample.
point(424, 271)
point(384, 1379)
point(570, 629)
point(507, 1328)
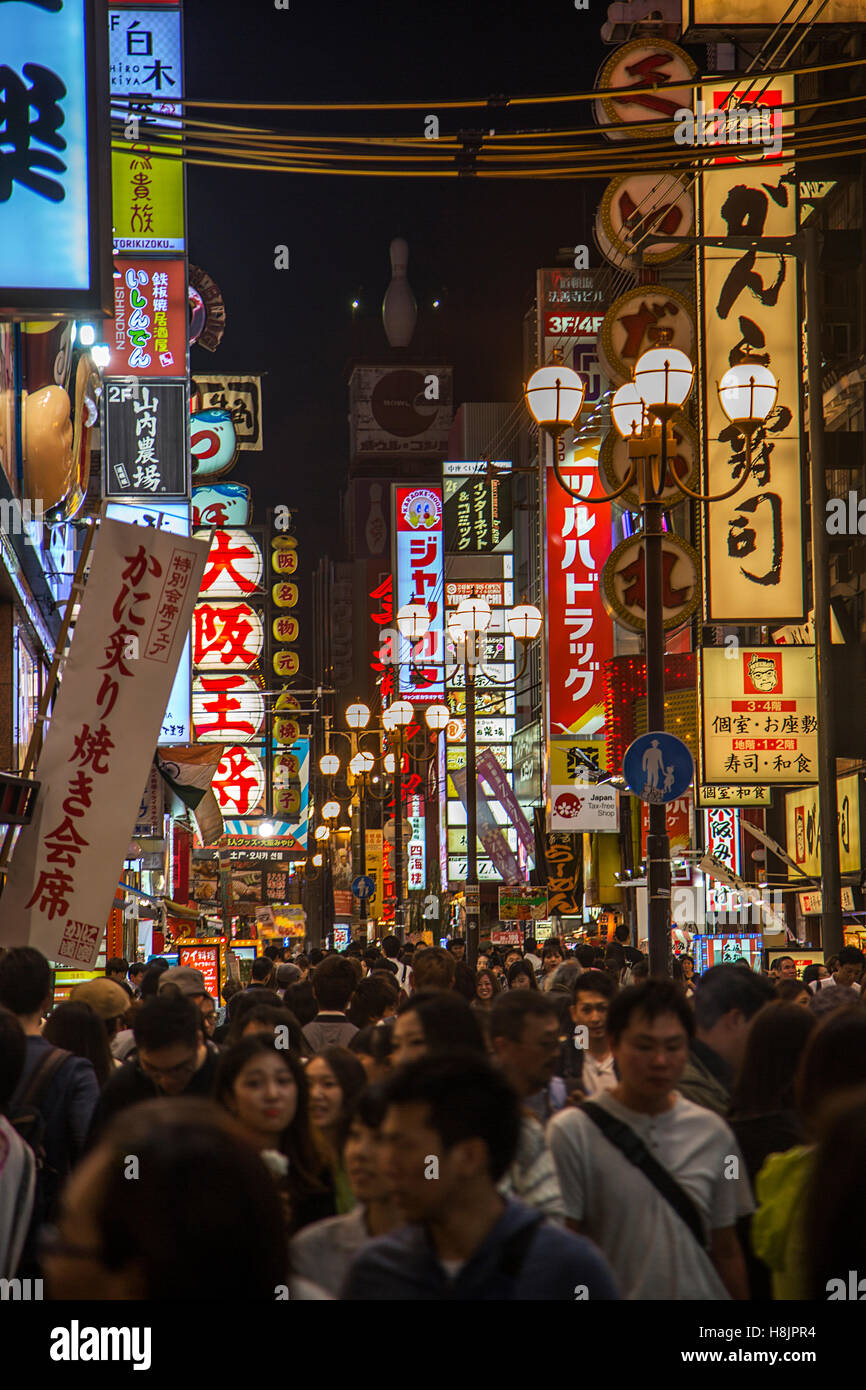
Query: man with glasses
point(173, 1058)
point(524, 1037)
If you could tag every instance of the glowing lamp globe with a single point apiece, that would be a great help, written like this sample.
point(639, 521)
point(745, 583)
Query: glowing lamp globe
point(748, 393)
point(554, 396)
point(664, 378)
point(525, 622)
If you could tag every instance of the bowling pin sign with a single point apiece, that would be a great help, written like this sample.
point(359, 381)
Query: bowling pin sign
point(399, 308)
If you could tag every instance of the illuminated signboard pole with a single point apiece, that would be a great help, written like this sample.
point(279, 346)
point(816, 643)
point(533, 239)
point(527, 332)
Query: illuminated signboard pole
point(832, 938)
point(663, 379)
point(804, 247)
point(472, 890)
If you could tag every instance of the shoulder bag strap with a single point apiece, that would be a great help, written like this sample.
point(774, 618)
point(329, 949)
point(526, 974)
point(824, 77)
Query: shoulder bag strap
point(630, 1144)
point(37, 1083)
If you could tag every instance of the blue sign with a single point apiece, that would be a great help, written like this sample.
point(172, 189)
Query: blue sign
point(658, 768)
point(49, 233)
point(144, 47)
point(364, 886)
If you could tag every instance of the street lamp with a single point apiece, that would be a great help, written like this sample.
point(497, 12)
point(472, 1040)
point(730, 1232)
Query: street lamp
point(663, 379)
point(329, 764)
point(358, 716)
point(438, 717)
point(401, 714)
point(472, 617)
point(472, 620)
point(554, 396)
point(322, 832)
point(747, 393)
point(525, 622)
point(473, 614)
point(642, 410)
point(413, 620)
point(331, 810)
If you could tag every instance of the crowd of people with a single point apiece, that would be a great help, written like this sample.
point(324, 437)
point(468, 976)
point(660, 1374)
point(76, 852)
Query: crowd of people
point(390, 1123)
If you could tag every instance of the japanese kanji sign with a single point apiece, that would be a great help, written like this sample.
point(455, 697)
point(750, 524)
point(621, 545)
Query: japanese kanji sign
point(50, 119)
point(144, 452)
point(802, 823)
point(147, 195)
point(759, 715)
point(709, 795)
point(754, 540)
point(240, 781)
point(144, 49)
point(641, 319)
point(241, 396)
point(624, 582)
point(639, 204)
point(571, 305)
point(722, 842)
point(642, 63)
point(478, 508)
point(579, 631)
point(135, 613)
point(418, 567)
point(148, 334)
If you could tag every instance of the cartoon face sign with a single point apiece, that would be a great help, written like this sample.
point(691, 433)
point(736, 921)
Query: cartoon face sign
point(567, 805)
point(213, 444)
point(763, 672)
point(421, 513)
point(421, 510)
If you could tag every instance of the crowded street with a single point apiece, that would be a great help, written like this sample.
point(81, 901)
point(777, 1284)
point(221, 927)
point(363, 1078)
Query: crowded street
point(432, 674)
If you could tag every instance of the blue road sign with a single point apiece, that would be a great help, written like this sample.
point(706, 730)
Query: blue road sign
point(364, 886)
point(658, 767)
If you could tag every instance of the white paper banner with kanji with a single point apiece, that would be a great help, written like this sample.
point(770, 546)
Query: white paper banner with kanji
point(134, 619)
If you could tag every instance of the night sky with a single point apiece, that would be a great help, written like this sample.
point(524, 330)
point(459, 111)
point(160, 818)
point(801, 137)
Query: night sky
point(476, 244)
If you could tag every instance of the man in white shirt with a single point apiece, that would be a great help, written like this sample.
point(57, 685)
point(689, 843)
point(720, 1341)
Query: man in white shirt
point(851, 963)
point(653, 1251)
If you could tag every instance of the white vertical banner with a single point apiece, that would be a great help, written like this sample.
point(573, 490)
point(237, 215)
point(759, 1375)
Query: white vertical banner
point(134, 620)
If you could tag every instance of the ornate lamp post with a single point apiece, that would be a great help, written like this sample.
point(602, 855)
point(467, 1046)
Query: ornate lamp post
point(642, 410)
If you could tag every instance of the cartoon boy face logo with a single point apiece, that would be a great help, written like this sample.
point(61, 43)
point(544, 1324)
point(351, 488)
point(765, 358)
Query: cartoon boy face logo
point(421, 512)
point(762, 674)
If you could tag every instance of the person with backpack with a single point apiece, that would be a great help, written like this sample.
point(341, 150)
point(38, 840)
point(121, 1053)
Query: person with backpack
point(450, 1132)
point(56, 1096)
point(17, 1163)
point(656, 1181)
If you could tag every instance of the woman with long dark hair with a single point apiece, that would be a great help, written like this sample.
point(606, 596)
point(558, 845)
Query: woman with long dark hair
point(202, 1207)
point(435, 1020)
point(486, 990)
point(835, 1218)
point(336, 1078)
point(521, 975)
point(763, 1115)
point(265, 1088)
point(833, 1062)
point(76, 1027)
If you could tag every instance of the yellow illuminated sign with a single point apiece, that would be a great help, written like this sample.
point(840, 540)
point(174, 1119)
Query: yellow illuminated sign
point(749, 298)
point(147, 200)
